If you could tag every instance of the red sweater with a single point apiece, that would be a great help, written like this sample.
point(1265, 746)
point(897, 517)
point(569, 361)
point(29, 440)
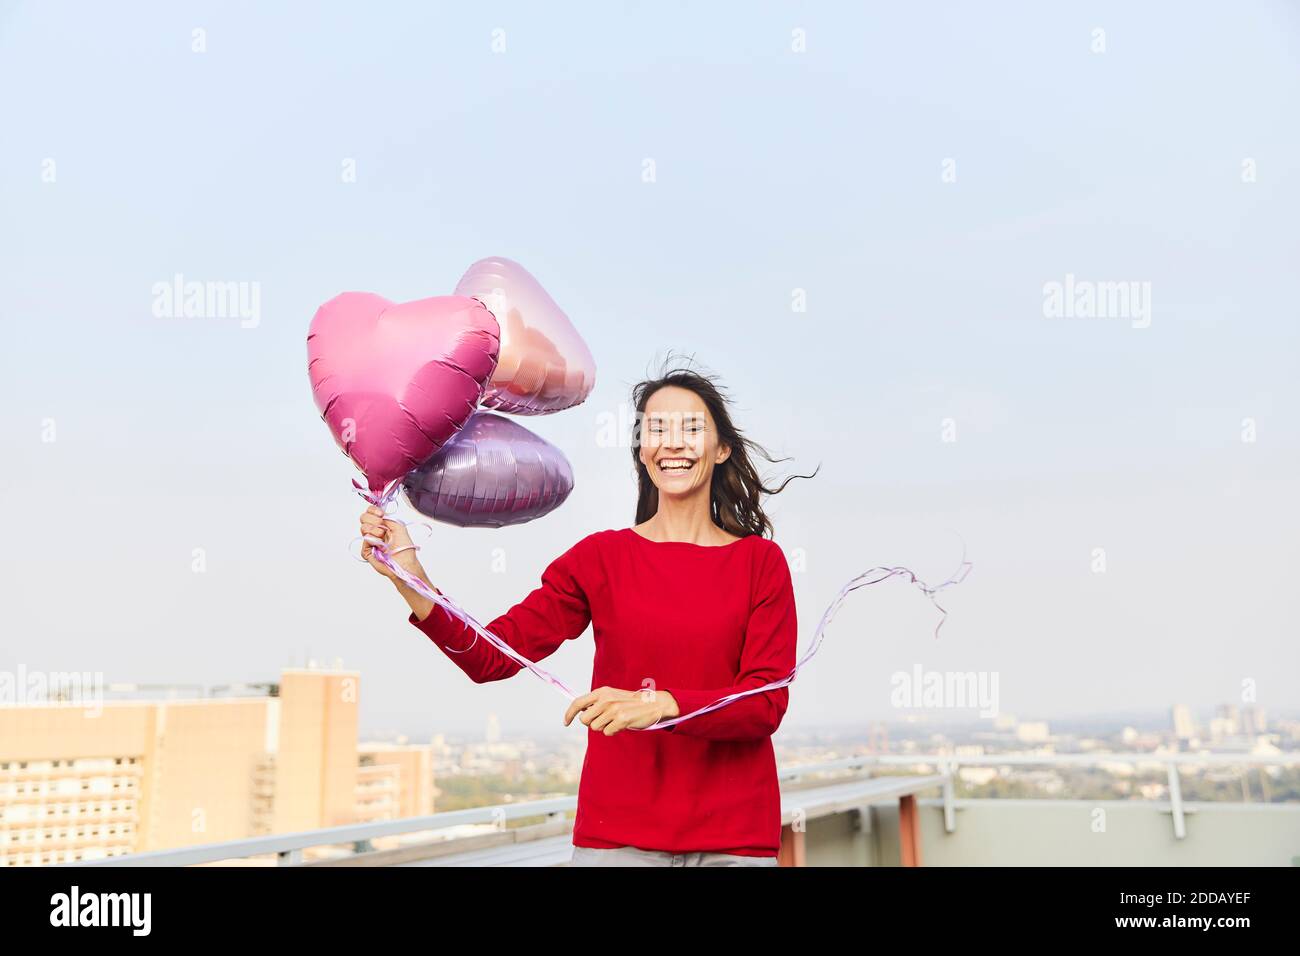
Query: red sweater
point(698, 621)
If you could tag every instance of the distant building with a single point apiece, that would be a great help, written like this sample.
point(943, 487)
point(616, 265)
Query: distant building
point(1253, 721)
point(1032, 732)
point(394, 781)
point(977, 776)
point(1228, 716)
point(1184, 725)
point(1222, 728)
point(138, 775)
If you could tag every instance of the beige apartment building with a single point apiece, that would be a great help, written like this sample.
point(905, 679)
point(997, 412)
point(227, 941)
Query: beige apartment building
point(82, 782)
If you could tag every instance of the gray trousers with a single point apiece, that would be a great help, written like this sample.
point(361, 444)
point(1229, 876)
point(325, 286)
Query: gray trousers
point(632, 856)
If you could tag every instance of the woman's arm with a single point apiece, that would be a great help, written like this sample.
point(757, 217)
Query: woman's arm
point(552, 613)
point(555, 611)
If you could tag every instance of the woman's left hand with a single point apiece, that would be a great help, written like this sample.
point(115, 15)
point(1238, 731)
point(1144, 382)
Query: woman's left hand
point(610, 709)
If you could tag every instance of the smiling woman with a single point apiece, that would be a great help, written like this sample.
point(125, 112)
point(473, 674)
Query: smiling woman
point(691, 605)
point(690, 455)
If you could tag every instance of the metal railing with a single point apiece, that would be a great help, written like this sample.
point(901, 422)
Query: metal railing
point(288, 847)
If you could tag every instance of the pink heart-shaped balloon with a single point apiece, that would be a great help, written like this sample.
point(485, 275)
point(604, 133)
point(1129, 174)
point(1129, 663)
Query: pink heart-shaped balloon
point(395, 382)
point(544, 365)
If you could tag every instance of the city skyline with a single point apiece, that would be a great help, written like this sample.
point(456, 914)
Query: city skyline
point(154, 768)
point(91, 692)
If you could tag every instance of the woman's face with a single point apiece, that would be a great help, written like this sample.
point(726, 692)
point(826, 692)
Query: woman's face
point(679, 442)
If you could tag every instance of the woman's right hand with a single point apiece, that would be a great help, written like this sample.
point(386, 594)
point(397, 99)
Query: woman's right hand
point(376, 529)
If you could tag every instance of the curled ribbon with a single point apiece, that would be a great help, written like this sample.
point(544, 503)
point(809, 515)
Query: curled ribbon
point(865, 579)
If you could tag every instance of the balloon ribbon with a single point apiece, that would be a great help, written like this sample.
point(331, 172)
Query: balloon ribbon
point(865, 579)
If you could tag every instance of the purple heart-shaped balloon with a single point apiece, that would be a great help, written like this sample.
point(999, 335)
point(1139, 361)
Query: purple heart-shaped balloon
point(395, 382)
point(494, 472)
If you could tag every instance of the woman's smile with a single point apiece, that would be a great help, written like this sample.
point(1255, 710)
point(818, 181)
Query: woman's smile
point(675, 466)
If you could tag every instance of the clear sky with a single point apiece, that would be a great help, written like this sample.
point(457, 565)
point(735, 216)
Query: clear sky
point(921, 171)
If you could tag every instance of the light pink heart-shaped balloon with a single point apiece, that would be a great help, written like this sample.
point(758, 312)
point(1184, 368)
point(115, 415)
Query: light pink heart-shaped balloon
point(544, 364)
point(395, 382)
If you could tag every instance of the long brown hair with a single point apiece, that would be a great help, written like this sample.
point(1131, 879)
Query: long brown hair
point(736, 491)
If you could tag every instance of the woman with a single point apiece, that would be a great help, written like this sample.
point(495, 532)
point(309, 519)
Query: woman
point(692, 604)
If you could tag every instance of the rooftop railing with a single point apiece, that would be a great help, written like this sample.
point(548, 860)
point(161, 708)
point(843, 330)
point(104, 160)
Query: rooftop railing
point(288, 848)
